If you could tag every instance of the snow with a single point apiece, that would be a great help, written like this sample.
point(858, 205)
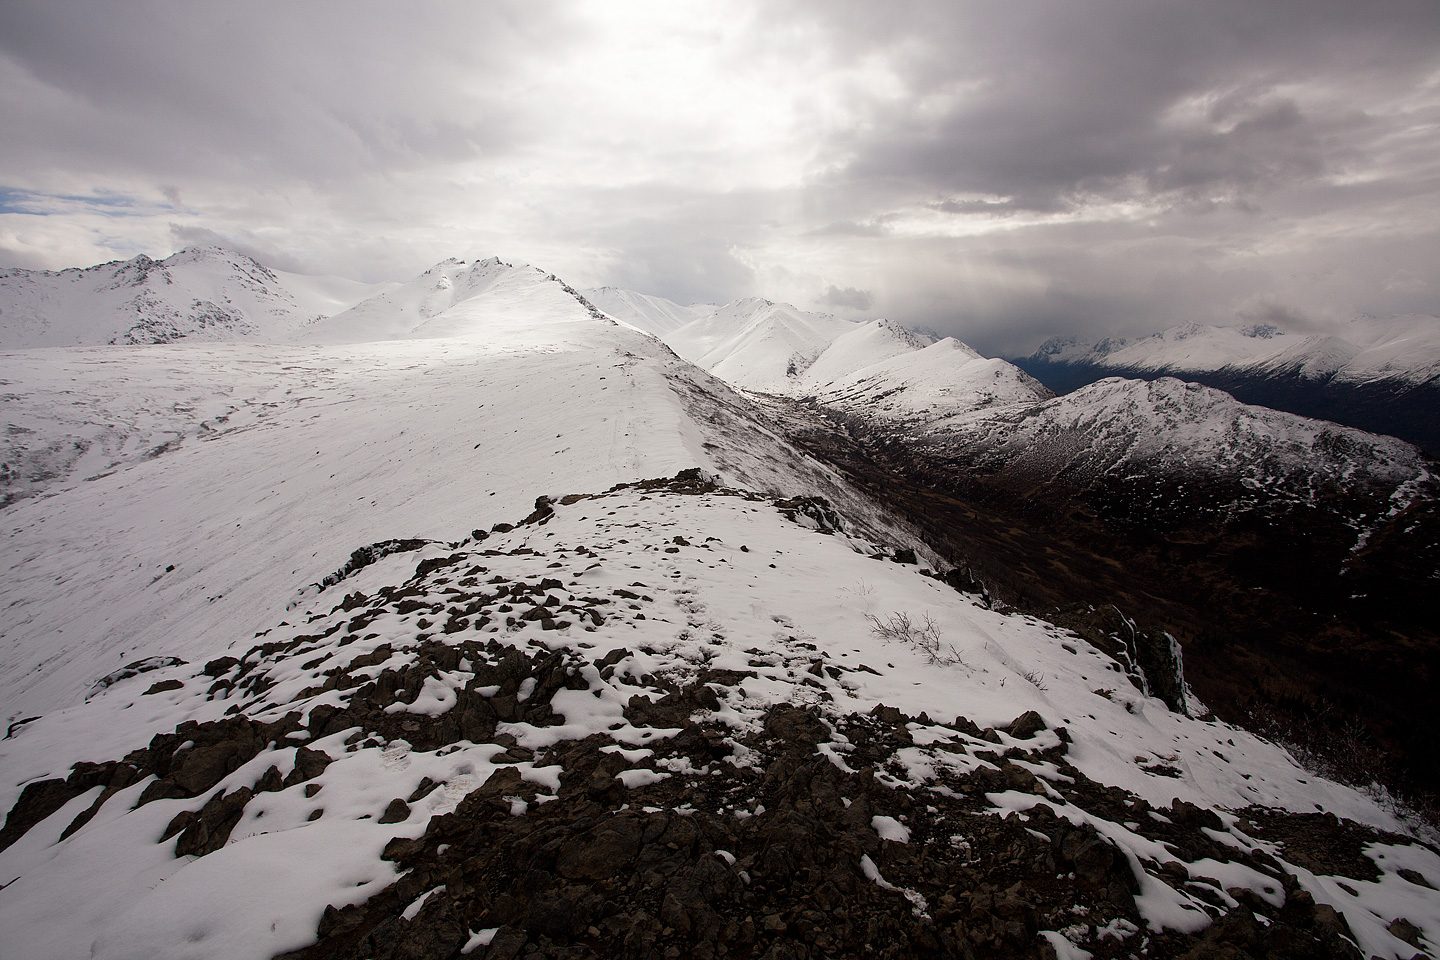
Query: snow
point(435, 698)
point(854, 350)
point(478, 939)
point(267, 867)
point(249, 900)
point(653, 315)
point(1196, 347)
point(315, 450)
point(918, 906)
point(452, 298)
point(492, 385)
point(200, 293)
point(756, 344)
point(876, 368)
point(995, 648)
point(640, 778)
point(412, 910)
point(1404, 348)
point(890, 829)
point(931, 384)
point(1064, 949)
point(1116, 427)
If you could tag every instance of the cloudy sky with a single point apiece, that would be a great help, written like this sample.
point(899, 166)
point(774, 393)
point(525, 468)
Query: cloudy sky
point(1002, 171)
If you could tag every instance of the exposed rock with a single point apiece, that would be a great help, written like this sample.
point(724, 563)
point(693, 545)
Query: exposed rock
point(1026, 725)
point(397, 811)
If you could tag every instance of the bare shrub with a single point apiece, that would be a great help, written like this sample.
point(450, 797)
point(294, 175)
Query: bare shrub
point(1037, 680)
point(924, 636)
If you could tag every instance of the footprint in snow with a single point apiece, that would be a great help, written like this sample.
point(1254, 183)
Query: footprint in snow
point(396, 756)
point(448, 797)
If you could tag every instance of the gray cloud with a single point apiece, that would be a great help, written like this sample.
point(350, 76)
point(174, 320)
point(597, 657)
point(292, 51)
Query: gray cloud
point(988, 208)
point(1054, 103)
point(848, 298)
point(189, 235)
point(994, 170)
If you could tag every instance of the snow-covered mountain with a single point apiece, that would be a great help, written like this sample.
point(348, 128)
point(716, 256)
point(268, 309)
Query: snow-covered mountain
point(452, 298)
point(928, 385)
point(482, 625)
point(877, 368)
point(1405, 349)
point(859, 347)
point(655, 315)
point(201, 293)
point(757, 344)
point(1118, 429)
point(1377, 374)
point(633, 689)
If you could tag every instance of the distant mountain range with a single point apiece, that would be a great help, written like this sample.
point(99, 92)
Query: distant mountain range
point(876, 365)
point(1152, 451)
point(200, 293)
point(1379, 375)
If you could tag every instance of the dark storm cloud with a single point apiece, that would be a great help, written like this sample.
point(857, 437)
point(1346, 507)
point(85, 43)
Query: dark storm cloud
point(1001, 171)
point(1217, 148)
point(1053, 102)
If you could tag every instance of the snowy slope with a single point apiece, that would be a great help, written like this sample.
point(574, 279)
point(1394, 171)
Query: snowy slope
point(1393, 348)
point(200, 293)
point(1076, 350)
point(313, 445)
point(1404, 349)
point(654, 315)
point(1117, 429)
point(415, 308)
point(756, 344)
point(944, 379)
point(870, 343)
point(1196, 347)
point(1311, 358)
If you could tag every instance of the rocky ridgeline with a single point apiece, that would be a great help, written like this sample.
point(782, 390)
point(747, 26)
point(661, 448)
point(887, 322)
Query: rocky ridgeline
point(636, 801)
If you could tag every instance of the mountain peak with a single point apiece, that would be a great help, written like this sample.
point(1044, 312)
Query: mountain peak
point(456, 299)
point(202, 292)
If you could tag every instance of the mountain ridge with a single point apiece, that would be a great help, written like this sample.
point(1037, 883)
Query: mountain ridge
point(1381, 375)
point(204, 294)
point(1403, 348)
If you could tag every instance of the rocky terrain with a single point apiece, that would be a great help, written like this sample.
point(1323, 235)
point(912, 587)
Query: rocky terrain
point(507, 753)
point(1295, 570)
